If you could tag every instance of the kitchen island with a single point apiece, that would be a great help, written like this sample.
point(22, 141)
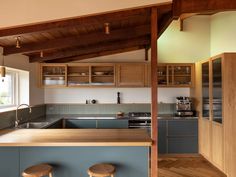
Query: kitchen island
point(72, 151)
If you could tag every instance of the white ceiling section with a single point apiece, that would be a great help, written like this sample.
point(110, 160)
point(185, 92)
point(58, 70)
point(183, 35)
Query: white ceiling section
point(13, 12)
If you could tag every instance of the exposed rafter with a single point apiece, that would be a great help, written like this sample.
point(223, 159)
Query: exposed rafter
point(83, 40)
point(102, 47)
point(96, 19)
point(201, 6)
point(96, 54)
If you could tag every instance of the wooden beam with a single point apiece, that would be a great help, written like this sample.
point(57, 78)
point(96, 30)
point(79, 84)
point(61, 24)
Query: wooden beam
point(95, 19)
point(114, 45)
point(82, 40)
point(154, 133)
point(96, 54)
point(164, 22)
point(201, 6)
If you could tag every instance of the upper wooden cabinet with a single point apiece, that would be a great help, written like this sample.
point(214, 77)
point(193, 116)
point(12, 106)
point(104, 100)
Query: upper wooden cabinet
point(174, 75)
point(132, 75)
point(94, 74)
point(53, 75)
point(114, 75)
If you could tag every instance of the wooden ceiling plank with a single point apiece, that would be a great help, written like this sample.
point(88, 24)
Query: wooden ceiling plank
point(96, 54)
point(83, 40)
point(94, 48)
point(79, 21)
point(201, 6)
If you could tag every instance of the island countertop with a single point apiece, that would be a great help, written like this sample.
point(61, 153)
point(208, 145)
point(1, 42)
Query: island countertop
point(74, 137)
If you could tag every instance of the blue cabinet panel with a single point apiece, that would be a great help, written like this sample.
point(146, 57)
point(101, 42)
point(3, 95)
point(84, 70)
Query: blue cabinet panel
point(9, 162)
point(74, 161)
point(162, 136)
point(182, 127)
point(183, 145)
point(73, 123)
point(112, 123)
point(177, 136)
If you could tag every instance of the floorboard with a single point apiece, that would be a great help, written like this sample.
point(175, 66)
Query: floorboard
point(187, 167)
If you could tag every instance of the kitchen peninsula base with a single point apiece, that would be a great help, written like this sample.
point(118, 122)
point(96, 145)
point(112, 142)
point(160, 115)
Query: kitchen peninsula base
point(72, 152)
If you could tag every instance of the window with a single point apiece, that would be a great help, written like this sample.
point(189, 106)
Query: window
point(8, 90)
point(14, 89)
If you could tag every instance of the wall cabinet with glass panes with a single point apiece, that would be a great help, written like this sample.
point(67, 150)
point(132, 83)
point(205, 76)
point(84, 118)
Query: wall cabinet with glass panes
point(53, 75)
point(78, 75)
point(175, 75)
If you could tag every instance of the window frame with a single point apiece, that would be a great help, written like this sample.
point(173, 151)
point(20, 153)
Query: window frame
point(14, 90)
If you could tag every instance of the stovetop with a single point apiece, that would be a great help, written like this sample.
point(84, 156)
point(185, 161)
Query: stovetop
point(140, 114)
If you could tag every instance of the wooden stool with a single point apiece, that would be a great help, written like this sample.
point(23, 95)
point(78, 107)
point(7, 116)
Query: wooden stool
point(38, 171)
point(101, 170)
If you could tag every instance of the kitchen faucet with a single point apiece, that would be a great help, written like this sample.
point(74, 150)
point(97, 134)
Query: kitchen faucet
point(17, 120)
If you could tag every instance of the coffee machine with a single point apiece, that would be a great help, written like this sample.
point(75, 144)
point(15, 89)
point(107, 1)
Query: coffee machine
point(184, 106)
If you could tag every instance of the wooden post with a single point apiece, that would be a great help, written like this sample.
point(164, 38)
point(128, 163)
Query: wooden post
point(154, 36)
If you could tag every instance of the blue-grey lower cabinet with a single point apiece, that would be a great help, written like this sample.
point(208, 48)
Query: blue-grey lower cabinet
point(178, 136)
point(182, 136)
point(75, 123)
point(112, 123)
point(74, 161)
point(9, 162)
point(162, 136)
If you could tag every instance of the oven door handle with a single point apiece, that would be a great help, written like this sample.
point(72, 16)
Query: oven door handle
point(133, 126)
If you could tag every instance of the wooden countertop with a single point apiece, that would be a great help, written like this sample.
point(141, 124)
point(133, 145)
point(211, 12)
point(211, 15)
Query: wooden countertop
point(74, 137)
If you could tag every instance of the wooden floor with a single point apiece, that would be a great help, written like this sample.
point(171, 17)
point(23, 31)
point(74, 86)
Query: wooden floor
point(186, 167)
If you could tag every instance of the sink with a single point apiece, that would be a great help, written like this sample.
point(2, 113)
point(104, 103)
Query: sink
point(33, 125)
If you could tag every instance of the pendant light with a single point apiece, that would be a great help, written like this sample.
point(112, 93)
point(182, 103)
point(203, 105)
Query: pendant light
point(18, 43)
point(107, 28)
point(41, 54)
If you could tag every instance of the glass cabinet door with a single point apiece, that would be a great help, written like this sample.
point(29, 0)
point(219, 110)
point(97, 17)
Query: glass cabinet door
point(205, 91)
point(217, 90)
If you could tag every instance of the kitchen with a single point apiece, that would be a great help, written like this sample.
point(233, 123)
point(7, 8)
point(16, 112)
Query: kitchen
point(133, 98)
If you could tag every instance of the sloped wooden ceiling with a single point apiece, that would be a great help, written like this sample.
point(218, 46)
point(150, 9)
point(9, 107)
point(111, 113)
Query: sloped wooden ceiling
point(84, 37)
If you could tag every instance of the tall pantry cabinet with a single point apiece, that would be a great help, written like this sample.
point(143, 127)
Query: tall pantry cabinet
point(216, 103)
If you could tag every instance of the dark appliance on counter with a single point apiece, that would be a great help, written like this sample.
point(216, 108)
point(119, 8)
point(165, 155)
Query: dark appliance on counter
point(184, 107)
point(141, 120)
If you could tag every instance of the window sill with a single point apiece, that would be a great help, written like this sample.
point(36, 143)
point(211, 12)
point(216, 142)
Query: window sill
point(6, 109)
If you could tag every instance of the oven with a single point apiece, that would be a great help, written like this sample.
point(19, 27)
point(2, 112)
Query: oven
point(140, 120)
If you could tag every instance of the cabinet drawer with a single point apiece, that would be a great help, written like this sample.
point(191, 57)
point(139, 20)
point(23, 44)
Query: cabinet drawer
point(182, 127)
point(182, 144)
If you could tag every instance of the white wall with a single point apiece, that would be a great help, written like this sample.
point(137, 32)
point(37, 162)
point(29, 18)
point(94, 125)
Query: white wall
point(223, 37)
point(189, 45)
point(109, 95)
point(13, 12)
point(21, 62)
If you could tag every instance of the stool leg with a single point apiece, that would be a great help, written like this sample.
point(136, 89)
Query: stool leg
point(50, 175)
point(90, 176)
point(112, 175)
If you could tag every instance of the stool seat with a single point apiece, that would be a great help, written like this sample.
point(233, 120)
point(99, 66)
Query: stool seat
point(38, 171)
point(101, 169)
